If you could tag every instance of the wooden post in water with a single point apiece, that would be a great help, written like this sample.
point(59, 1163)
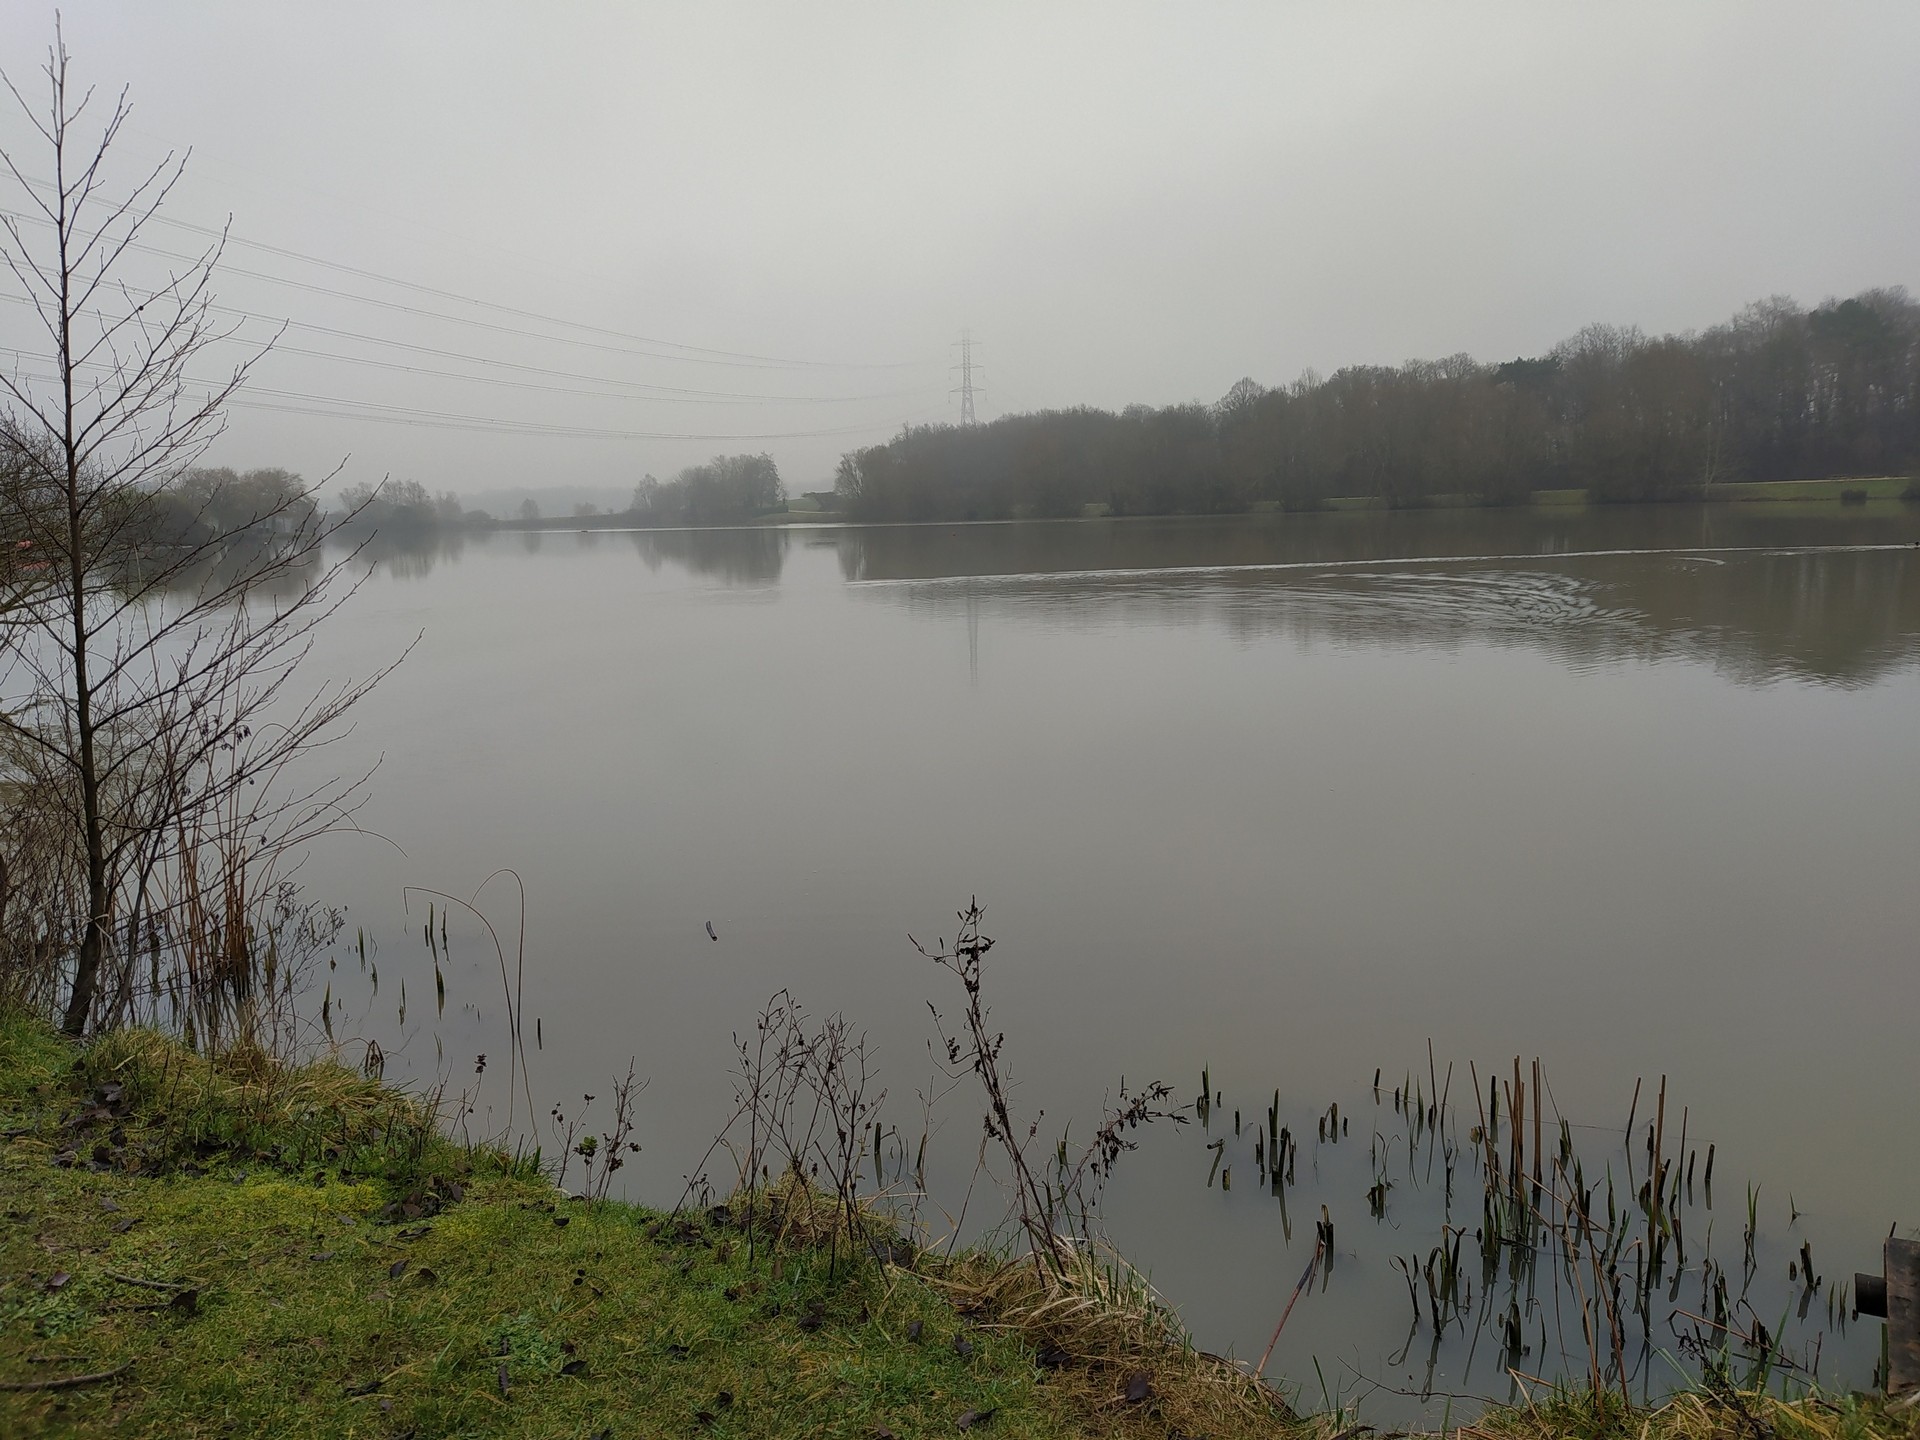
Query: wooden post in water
point(1903, 1316)
point(1895, 1296)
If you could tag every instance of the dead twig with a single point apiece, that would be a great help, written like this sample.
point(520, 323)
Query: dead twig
point(150, 1284)
point(1319, 1246)
point(68, 1382)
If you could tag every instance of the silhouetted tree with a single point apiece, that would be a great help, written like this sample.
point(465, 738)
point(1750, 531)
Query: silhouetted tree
point(166, 608)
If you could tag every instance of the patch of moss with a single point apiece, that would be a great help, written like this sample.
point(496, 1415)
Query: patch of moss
point(256, 1274)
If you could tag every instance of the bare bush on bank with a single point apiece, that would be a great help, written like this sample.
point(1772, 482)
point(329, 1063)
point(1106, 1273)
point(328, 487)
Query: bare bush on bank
point(152, 621)
point(1053, 1194)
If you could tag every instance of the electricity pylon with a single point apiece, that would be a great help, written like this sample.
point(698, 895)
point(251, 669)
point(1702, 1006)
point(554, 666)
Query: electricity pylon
point(966, 368)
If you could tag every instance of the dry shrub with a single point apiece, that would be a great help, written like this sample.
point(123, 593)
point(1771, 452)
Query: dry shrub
point(1704, 1415)
point(1099, 1325)
point(244, 1098)
point(792, 1213)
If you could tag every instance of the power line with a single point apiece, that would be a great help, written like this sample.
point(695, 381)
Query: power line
point(435, 421)
point(662, 392)
point(675, 399)
point(692, 354)
point(762, 363)
point(695, 399)
point(370, 410)
point(536, 315)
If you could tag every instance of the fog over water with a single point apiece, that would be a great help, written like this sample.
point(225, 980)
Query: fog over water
point(1631, 790)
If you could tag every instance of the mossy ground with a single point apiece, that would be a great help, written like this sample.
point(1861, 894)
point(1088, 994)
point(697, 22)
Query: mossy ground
point(331, 1269)
point(254, 1250)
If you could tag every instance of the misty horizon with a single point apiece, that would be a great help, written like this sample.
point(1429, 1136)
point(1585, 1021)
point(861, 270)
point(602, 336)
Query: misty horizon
point(512, 249)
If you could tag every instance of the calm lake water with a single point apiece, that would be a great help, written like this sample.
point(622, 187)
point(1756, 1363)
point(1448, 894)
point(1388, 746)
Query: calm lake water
point(1636, 792)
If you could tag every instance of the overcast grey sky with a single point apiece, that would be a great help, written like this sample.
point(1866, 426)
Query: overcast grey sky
point(1126, 203)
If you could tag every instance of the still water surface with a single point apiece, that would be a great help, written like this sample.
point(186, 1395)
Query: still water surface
point(1633, 791)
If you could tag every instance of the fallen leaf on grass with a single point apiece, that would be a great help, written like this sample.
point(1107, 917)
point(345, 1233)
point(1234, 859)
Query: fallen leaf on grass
point(977, 1417)
point(963, 1347)
point(1139, 1387)
point(397, 1269)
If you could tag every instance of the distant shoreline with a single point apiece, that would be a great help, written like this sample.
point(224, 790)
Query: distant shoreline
point(1876, 494)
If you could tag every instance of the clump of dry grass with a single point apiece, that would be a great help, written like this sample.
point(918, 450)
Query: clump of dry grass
point(792, 1213)
point(1109, 1345)
point(180, 1105)
point(1704, 1415)
point(1109, 1337)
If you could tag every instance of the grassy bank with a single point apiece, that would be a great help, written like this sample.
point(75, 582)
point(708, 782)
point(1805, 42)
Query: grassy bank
point(246, 1249)
point(1879, 487)
point(252, 1251)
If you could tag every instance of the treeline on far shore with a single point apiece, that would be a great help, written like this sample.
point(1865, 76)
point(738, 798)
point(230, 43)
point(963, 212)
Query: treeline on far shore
point(1778, 392)
point(726, 490)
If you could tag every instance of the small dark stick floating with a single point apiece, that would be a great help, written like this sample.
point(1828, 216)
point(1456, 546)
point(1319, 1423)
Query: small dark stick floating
point(712, 934)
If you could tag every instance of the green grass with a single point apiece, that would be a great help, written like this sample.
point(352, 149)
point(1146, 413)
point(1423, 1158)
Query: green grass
point(310, 1280)
point(1879, 487)
point(249, 1249)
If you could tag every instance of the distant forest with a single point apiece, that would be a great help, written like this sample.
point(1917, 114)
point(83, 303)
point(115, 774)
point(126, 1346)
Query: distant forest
point(1778, 392)
point(726, 490)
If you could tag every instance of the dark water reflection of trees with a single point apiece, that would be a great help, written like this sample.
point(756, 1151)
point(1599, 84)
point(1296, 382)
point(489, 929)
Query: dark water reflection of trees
point(1825, 594)
point(739, 555)
point(1756, 596)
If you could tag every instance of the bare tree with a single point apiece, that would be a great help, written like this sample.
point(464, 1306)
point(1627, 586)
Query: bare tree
point(152, 626)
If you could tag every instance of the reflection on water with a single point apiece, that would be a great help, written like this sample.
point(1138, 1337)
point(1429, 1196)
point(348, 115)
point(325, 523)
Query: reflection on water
point(748, 555)
point(1286, 797)
point(1843, 617)
point(1822, 595)
point(928, 552)
point(413, 554)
